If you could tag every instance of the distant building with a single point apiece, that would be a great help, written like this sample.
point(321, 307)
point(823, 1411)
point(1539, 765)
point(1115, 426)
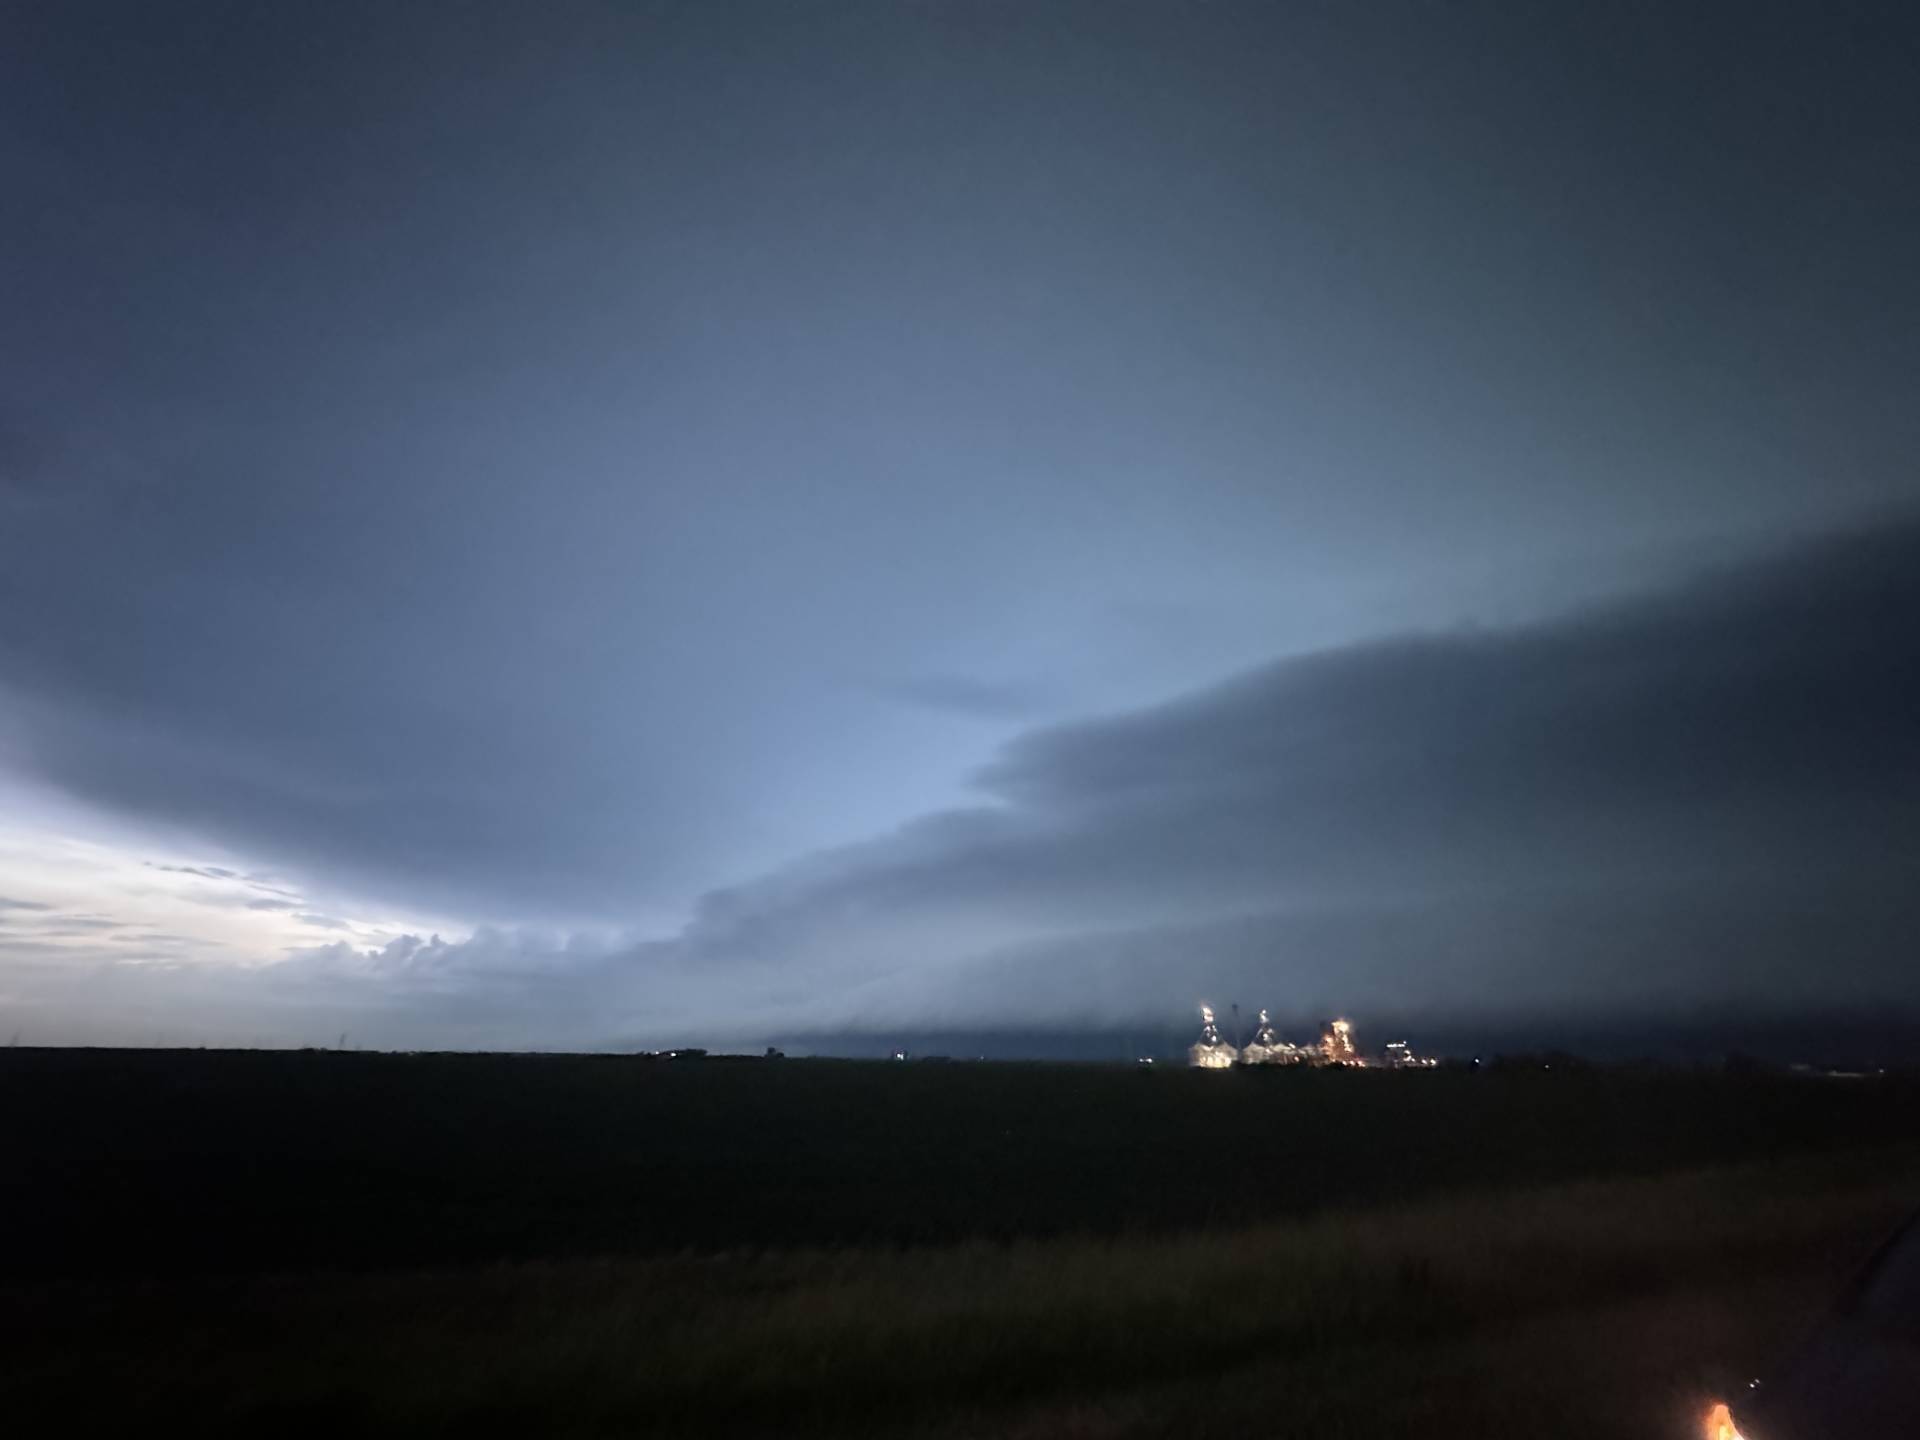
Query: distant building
point(1264, 1042)
point(1269, 1049)
point(1210, 1052)
point(1400, 1056)
point(1337, 1047)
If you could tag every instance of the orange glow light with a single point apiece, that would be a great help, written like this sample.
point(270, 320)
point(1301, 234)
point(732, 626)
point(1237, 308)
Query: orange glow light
point(1720, 1424)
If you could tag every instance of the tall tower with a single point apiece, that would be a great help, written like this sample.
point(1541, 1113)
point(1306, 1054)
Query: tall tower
point(1211, 1052)
point(1265, 1047)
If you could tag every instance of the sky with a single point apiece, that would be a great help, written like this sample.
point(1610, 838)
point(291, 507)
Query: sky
point(613, 525)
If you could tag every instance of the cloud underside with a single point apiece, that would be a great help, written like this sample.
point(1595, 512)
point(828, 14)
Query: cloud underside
point(1700, 801)
point(1706, 797)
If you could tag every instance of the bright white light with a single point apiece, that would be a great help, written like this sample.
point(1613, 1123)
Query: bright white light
point(1211, 1052)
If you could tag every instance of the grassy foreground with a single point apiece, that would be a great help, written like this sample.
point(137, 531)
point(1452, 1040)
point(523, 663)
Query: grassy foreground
point(1594, 1308)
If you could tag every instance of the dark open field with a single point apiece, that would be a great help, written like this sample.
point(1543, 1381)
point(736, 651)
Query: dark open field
point(599, 1245)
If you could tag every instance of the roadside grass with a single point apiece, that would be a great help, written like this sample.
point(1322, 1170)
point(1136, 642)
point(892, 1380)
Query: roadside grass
point(1592, 1308)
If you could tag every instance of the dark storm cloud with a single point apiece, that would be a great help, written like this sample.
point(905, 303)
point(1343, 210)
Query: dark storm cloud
point(1786, 685)
point(1700, 805)
point(481, 465)
point(1710, 795)
point(525, 469)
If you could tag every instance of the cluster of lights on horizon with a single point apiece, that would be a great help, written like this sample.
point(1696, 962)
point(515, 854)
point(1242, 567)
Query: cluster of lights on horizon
point(1336, 1047)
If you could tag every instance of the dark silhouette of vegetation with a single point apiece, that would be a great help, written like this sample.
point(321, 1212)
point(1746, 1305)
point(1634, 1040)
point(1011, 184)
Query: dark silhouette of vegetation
point(298, 1243)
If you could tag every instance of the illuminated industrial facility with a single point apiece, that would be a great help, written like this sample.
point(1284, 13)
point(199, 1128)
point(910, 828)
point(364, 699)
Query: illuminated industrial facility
point(1264, 1039)
point(1211, 1052)
point(1400, 1056)
point(1269, 1049)
point(1336, 1046)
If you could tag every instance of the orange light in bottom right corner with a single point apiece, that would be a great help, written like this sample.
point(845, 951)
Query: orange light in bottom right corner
point(1720, 1424)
